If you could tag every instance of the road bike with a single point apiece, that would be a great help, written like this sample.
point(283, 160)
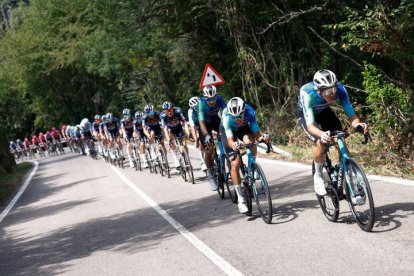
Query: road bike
point(222, 171)
point(254, 184)
point(135, 155)
point(346, 175)
point(158, 157)
point(186, 169)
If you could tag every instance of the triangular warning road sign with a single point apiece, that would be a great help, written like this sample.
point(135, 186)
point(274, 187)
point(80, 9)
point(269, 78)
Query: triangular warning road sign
point(210, 77)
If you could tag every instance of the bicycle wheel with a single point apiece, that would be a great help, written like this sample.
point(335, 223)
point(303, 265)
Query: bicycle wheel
point(164, 162)
point(247, 193)
point(225, 168)
point(329, 203)
point(261, 193)
point(137, 160)
point(188, 167)
point(363, 211)
point(218, 175)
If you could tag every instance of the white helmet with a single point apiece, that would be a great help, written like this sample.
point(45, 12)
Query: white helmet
point(324, 79)
point(193, 102)
point(209, 91)
point(84, 122)
point(236, 106)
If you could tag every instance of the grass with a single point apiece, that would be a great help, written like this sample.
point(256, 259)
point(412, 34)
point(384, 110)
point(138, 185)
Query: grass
point(372, 157)
point(9, 183)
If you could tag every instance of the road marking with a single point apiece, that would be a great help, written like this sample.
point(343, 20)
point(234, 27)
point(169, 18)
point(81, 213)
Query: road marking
point(202, 247)
point(18, 195)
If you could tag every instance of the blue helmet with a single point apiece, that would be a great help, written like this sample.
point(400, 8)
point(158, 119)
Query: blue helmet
point(148, 108)
point(126, 112)
point(167, 105)
point(109, 117)
point(138, 114)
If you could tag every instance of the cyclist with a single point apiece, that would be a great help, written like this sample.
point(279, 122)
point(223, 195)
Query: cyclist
point(139, 134)
point(13, 149)
point(103, 135)
point(43, 140)
point(56, 137)
point(26, 145)
point(127, 128)
point(195, 128)
point(112, 127)
point(96, 130)
point(317, 118)
point(86, 129)
point(209, 119)
point(172, 120)
point(64, 133)
point(49, 140)
point(20, 147)
point(151, 125)
point(239, 123)
point(35, 142)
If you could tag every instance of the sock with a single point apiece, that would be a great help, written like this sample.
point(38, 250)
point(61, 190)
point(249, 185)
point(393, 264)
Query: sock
point(239, 193)
point(318, 168)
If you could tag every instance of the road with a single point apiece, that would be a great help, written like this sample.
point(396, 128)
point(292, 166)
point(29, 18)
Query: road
point(81, 216)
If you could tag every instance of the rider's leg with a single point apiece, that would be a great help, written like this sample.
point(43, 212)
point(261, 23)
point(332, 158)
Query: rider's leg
point(318, 158)
point(173, 150)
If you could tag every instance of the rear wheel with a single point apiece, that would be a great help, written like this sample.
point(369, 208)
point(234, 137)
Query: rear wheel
point(164, 162)
point(218, 175)
point(247, 193)
point(362, 209)
point(261, 193)
point(188, 167)
point(226, 168)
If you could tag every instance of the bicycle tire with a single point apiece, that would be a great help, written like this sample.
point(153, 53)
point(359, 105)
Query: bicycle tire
point(218, 175)
point(355, 172)
point(188, 167)
point(230, 187)
point(138, 160)
point(164, 162)
point(329, 203)
point(247, 193)
point(261, 193)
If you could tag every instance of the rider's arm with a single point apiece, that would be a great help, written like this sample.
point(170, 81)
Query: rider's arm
point(227, 129)
point(306, 102)
point(202, 123)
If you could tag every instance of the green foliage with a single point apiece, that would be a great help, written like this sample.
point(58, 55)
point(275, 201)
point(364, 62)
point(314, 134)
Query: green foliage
point(392, 114)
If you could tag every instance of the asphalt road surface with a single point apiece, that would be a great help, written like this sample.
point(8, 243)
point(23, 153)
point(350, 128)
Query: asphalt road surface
point(81, 216)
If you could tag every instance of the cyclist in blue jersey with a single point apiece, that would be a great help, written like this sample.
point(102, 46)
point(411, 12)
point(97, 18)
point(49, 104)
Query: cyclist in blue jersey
point(239, 123)
point(140, 135)
point(195, 128)
point(127, 128)
point(172, 120)
point(151, 124)
point(86, 129)
point(209, 108)
point(317, 118)
point(112, 127)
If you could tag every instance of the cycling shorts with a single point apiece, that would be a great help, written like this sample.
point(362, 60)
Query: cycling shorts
point(128, 135)
point(238, 134)
point(213, 124)
point(326, 121)
point(178, 131)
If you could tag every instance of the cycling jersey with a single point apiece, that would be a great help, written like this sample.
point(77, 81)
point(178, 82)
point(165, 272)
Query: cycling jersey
point(55, 134)
point(113, 126)
point(138, 124)
point(49, 137)
point(42, 138)
point(26, 143)
point(35, 141)
point(233, 124)
point(193, 117)
point(96, 126)
point(128, 126)
point(173, 121)
point(151, 121)
point(311, 103)
point(12, 147)
point(207, 113)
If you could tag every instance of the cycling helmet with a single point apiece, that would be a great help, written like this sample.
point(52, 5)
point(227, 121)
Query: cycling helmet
point(138, 114)
point(97, 117)
point(126, 112)
point(103, 118)
point(209, 91)
point(193, 102)
point(109, 117)
point(167, 105)
point(11, 142)
point(84, 122)
point(18, 141)
point(236, 106)
point(324, 79)
point(148, 108)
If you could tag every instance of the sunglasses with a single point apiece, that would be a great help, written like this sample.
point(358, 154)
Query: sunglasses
point(329, 91)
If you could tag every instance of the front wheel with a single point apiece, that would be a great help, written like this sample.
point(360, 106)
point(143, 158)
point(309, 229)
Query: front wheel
point(359, 196)
point(261, 193)
point(188, 167)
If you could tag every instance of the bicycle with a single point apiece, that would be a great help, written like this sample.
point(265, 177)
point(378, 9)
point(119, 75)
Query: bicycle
point(91, 148)
point(135, 156)
point(251, 175)
point(159, 157)
point(184, 160)
point(347, 171)
point(222, 170)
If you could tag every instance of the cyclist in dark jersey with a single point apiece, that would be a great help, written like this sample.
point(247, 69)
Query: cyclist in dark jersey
point(172, 119)
point(317, 118)
point(140, 136)
point(127, 128)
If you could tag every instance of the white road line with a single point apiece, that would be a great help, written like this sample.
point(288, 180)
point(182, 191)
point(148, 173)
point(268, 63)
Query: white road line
point(202, 247)
point(22, 189)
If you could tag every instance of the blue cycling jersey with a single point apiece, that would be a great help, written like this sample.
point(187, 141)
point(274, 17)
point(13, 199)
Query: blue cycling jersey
point(206, 112)
point(138, 124)
point(231, 123)
point(113, 126)
point(193, 116)
point(173, 121)
point(151, 119)
point(311, 103)
point(128, 125)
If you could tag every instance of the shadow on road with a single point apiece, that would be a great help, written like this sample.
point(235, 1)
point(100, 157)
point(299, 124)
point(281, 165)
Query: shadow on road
point(388, 217)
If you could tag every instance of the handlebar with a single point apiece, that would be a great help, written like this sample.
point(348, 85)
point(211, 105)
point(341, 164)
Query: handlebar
point(367, 137)
point(237, 152)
